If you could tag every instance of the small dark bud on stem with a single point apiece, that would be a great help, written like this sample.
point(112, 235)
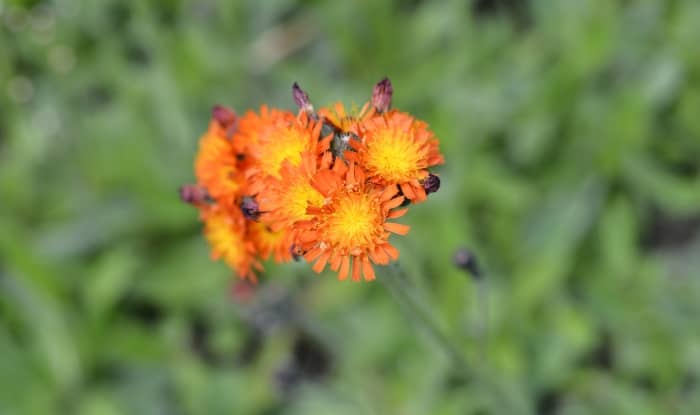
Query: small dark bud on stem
point(301, 98)
point(431, 184)
point(381, 95)
point(465, 259)
point(194, 194)
point(224, 116)
point(249, 207)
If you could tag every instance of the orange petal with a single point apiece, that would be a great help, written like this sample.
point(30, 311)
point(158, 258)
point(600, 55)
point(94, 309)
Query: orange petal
point(356, 268)
point(420, 193)
point(391, 251)
point(367, 269)
point(313, 254)
point(395, 202)
point(407, 190)
point(321, 263)
point(344, 268)
point(397, 228)
point(389, 192)
point(378, 256)
point(397, 213)
point(335, 262)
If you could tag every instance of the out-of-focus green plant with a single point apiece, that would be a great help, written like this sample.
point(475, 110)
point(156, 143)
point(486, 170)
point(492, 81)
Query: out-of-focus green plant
point(572, 141)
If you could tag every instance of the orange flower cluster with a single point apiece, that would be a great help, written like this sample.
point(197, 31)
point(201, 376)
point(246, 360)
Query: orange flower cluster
point(325, 185)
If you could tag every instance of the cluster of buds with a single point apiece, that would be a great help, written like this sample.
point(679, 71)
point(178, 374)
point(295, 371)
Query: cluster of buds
point(321, 184)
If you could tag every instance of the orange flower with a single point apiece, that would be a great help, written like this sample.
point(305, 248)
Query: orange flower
point(396, 148)
point(216, 166)
point(225, 229)
point(352, 226)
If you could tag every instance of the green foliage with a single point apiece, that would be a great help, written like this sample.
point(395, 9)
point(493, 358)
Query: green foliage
point(572, 139)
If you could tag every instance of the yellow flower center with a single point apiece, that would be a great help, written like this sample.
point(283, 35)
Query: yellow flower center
point(285, 144)
point(297, 198)
point(394, 155)
point(355, 221)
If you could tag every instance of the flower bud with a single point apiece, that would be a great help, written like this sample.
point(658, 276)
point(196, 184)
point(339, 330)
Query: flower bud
point(381, 95)
point(226, 117)
point(431, 184)
point(250, 208)
point(465, 260)
point(301, 98)
point(194, 194)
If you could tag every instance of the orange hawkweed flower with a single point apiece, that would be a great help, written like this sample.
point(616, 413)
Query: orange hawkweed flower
point(225, 230)
point(351, 229)
point(395, 148)
point(216, 166)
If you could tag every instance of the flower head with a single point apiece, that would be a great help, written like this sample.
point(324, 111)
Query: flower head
point(397, 149)
point(351, 228)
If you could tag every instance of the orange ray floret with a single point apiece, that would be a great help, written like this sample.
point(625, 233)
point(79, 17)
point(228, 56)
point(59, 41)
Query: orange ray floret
point(396, 148)
point(225, 231)
point(351, 229)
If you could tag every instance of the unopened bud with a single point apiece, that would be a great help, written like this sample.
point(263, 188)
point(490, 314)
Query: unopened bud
point(301, 98)
point(226, 117)
point(194, 194)
point(466, 260)
point(381, 95)
point(250, 208)
point(431, 184)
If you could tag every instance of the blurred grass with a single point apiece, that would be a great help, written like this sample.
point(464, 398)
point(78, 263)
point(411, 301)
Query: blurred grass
point(572, 139)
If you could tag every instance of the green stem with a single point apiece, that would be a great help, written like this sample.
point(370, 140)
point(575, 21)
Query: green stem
point(397, 282)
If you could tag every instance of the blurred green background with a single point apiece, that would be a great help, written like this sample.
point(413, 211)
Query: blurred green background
point(571, 130)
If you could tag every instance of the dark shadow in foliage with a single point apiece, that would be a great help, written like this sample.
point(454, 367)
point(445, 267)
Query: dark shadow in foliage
point(517, 10)
point(310, 360)
point(548, 402)
point(142, 310)
point(603, 354)
point(663, 230)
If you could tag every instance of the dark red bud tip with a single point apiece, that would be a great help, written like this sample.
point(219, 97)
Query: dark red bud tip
point(193, 194)
point(301, 98)
point(226, 117)
point(381, 95)
point(250, 208)
point(431, 184)
point(465, 260)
